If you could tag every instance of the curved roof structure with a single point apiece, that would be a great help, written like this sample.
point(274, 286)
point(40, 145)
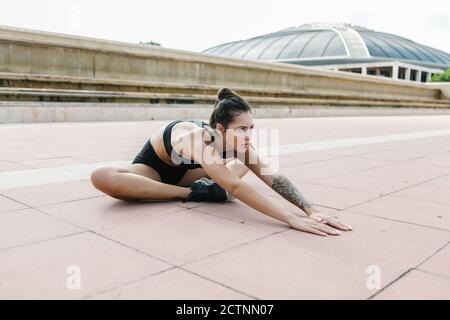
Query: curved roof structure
point(318, 44)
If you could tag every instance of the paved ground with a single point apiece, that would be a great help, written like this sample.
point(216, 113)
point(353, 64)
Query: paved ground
point(389, 177)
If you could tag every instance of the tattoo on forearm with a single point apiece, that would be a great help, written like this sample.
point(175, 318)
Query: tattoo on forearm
point(285, 188)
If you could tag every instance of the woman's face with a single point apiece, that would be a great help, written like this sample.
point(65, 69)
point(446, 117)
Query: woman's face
point(239, 132)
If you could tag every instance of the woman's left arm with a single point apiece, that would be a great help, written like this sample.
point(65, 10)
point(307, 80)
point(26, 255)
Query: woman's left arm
point(283, 186)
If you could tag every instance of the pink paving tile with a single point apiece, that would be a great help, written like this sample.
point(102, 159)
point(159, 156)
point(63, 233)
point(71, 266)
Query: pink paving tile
point(44, 270)
point(7, 204)
point(406, 172)
point(439, 263)
point(150, 227)
point(20, 227)
point(174, 284)
point(190, 204)
point(296, 265)
point(426, 192)
point(362, 183)
point(417, 285)
point(441, 159)
point(441, 182)
point(303, 175)
point(51, 162)
point(184, 236)
point(357, 151)
point(105, 157)
point(407, 210)
point(433, 146)
point(333, 197)
point(6, 166)
point(332, 168)
point(280, 269)
point(98, 213)
point(375, 239)
point(15, 155)
point(286, 160)
point(240, 212)
point(403, 154)
point(4, 149)
point(41, 195)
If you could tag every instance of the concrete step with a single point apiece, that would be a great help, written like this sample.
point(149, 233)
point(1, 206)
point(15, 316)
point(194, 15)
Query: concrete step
point(50, 82)
point(59, 95)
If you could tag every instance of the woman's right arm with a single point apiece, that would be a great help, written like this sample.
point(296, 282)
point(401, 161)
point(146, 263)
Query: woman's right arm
point(244, 192)
point(216, 169)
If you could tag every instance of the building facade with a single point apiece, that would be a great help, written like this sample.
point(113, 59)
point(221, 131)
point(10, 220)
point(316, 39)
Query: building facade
point(342, 47)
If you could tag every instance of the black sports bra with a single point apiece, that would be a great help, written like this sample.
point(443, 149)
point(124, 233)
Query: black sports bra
point(176, 158)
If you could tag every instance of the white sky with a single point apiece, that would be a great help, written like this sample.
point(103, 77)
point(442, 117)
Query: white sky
point(196, 25)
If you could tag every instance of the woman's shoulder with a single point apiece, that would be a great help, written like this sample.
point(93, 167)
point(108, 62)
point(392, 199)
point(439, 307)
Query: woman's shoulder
point(193, 130)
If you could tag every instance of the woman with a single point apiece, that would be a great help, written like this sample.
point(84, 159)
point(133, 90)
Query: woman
point(180, 159)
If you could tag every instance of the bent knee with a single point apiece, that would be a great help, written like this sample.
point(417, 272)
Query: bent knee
point(101, 177)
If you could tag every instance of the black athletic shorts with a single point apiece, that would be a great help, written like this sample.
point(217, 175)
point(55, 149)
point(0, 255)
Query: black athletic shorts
point(169, 174)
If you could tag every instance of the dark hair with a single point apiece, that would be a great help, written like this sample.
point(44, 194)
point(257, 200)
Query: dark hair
point(228, 105)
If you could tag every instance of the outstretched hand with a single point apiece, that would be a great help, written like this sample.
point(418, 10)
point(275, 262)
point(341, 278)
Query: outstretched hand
point(318, 223)
point(309, 225)
point(328, 220)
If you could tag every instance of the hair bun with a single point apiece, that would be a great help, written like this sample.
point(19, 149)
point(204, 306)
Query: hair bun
point(225, 93)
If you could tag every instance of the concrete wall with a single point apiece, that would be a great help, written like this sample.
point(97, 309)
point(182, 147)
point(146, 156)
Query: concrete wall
point(23, 51)
point(31, 112)
point(38, 60)
point(443, 86)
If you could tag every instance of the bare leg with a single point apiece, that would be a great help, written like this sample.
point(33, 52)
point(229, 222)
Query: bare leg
point(135, 182)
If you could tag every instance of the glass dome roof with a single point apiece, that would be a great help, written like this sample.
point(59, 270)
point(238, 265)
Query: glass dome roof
point(331, 42)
